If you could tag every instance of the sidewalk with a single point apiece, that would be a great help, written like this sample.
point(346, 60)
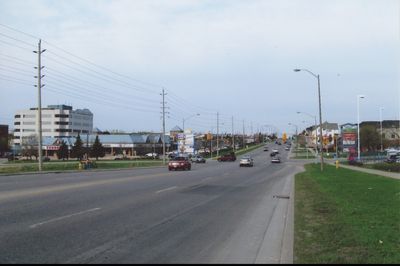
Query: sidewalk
point(365, 170)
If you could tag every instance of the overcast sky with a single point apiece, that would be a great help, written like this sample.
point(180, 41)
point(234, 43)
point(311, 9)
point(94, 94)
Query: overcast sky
point(232, 57)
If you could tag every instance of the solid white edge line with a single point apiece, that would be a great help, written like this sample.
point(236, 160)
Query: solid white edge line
point(63, 217)
point(163, 190)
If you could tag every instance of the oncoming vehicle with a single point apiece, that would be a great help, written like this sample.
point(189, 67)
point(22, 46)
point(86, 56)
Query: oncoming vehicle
point(179, 163)
point(246, 161)
point(198, 159)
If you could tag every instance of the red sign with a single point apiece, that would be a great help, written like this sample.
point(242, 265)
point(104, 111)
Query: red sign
point(53, 148)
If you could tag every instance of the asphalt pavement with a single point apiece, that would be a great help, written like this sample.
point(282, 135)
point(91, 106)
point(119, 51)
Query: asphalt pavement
point(216, 213)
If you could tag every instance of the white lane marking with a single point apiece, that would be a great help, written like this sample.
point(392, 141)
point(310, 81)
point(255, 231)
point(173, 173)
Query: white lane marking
point(163, 190)
point(63, 217)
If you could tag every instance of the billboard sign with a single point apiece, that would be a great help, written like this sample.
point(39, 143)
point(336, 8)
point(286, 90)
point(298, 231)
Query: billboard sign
point(186, 143)
point(349, 136)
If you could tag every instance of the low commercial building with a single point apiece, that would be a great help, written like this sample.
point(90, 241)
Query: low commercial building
point(128, 145)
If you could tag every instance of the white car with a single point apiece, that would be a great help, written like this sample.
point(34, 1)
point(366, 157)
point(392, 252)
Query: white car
point(151, 155)
point(246, 161)
point(275, 151)
point(276, 159)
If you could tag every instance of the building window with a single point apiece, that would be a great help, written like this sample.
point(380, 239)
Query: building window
point(62, 123)
point(17, 130)
point(62, 130)
point(17, 123)
point(17, 116)
point(61, 115)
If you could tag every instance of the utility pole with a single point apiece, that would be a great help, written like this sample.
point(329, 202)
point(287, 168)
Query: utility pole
point(39, 116)
point(233, 136)
point(243, 134)
point(217, 134)
point(163, 123)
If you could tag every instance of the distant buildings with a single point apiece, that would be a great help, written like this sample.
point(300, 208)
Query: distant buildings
point(329, 130)
point(344, 137)
point(58, 121)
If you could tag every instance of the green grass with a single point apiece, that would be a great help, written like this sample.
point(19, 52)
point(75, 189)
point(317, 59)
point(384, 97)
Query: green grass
point(251, 148)
point(238, 152)
point(74, 165)
point(301, 153)
point(344, 216)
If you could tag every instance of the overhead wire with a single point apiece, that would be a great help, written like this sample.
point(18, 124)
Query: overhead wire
point(178, 105)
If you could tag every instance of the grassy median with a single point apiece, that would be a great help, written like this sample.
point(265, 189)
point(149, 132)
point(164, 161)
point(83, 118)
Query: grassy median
point(74, 165)
point(344, 216)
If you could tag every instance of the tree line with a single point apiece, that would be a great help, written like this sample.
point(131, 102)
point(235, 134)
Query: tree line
point(78, 151)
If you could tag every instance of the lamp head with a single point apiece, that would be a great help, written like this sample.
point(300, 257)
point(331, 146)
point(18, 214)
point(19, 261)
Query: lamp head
point(296, 70)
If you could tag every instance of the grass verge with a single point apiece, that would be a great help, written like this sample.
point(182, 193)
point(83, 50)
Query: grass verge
point(344, 216)
point(73, 165)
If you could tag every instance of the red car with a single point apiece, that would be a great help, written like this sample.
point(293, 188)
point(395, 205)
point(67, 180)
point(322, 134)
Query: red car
point(227, 157)
point(177, 163)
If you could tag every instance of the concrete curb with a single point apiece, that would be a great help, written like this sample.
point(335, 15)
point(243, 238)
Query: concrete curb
point(281, 228)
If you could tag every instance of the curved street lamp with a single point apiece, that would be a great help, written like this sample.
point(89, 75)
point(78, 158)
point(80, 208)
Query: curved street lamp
point(184, 119)
point(320, 113)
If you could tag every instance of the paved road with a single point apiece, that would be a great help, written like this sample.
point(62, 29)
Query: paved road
point(216, 213)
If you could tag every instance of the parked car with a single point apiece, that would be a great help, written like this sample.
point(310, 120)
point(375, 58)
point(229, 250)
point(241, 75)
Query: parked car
point(152, 155)
point(231, 157)
point(11, 157)
point(179, 163)
point(276, 159)
point(246, 161)
point(393, 159)
point(353, 160)
point(198, 159)
point(266, 148)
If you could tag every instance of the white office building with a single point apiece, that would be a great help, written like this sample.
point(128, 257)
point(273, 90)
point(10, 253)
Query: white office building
point(57, 121)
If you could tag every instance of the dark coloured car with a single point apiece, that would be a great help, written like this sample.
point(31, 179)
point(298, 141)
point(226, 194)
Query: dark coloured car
point(274, 153)
point(179, 163)
point(11, 157)
point(393, 159)
point(227, 158)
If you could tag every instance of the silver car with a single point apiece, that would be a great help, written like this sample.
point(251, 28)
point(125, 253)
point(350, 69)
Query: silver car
point(246, 161)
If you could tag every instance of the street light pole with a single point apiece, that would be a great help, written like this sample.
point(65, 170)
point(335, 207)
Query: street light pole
point(320, 114)
point(358, 125)
point(297, 139)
